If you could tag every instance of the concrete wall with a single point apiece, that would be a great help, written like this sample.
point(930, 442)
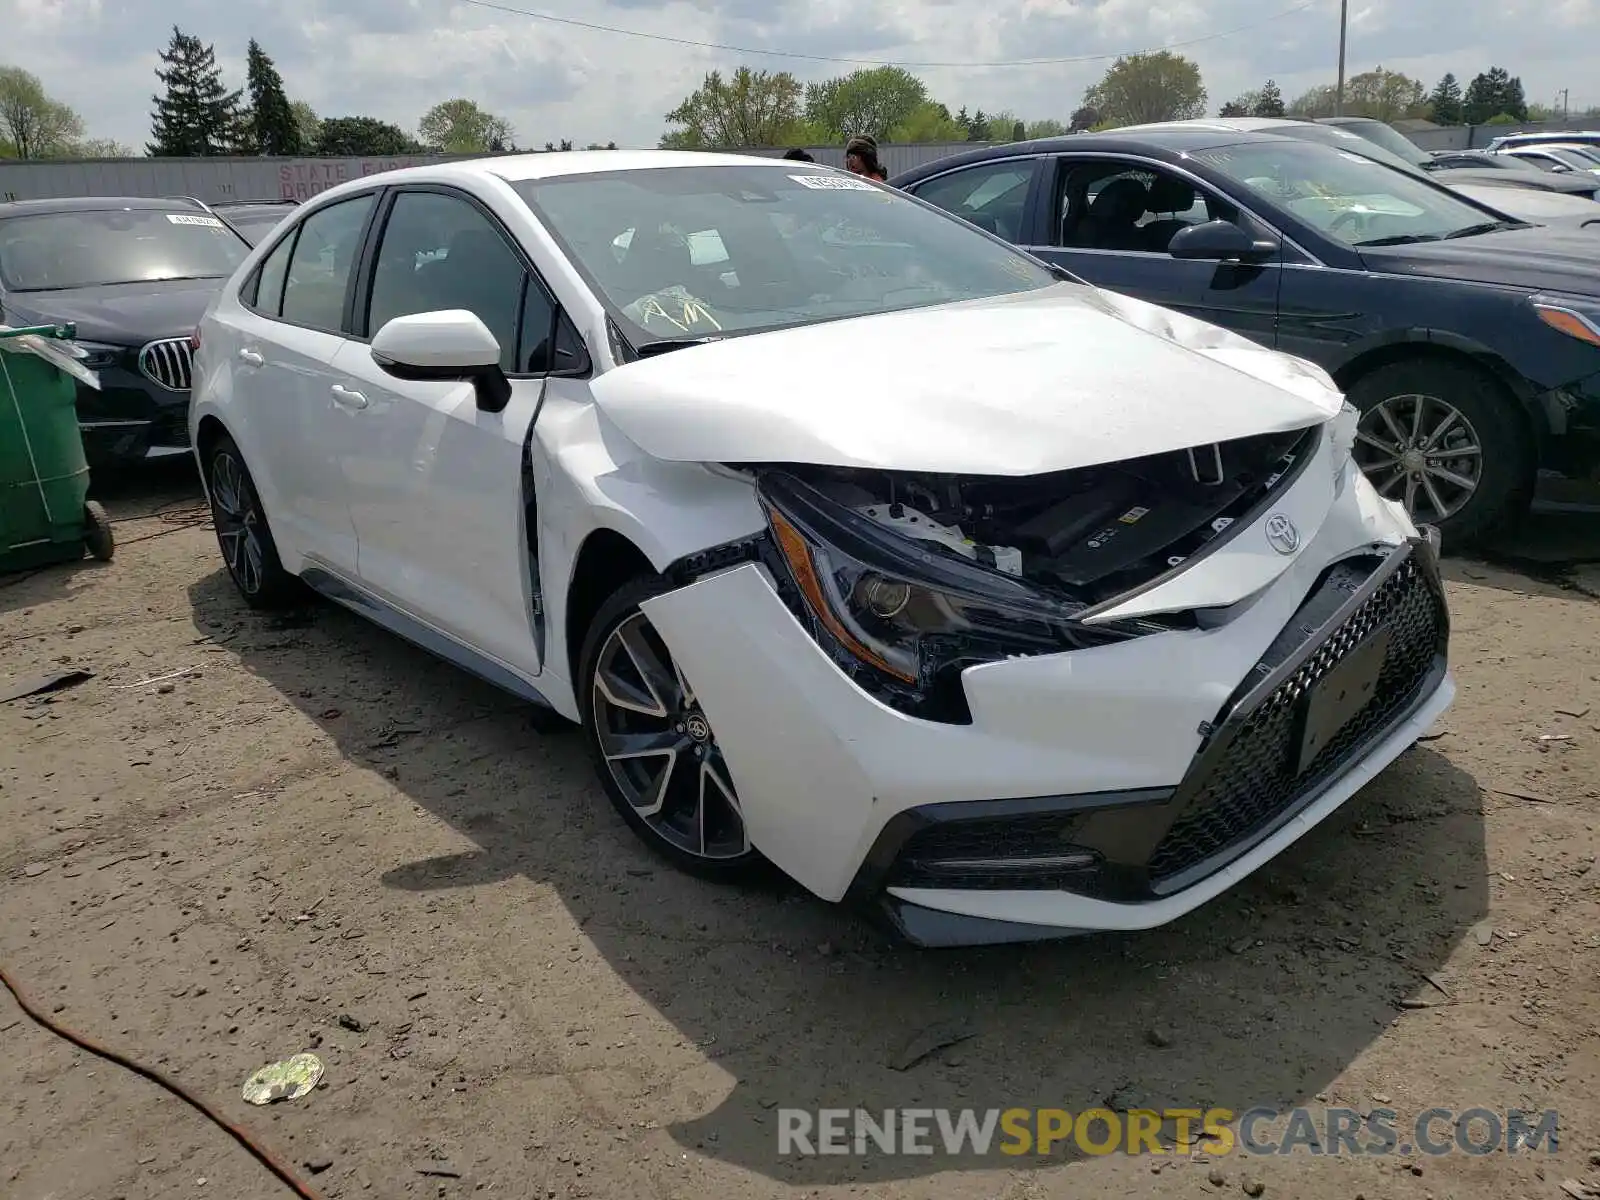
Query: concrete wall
point(222, 179)
point(1475, 137)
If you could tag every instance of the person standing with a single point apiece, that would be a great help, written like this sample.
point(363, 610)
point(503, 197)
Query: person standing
point(798, 155)
point(861, 158)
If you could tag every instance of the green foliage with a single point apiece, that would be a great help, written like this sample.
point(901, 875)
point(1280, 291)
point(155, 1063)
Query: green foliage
point(32, 125)
point(364, 137)
point(196, 116)
point(461, 127)
point(1140, 88)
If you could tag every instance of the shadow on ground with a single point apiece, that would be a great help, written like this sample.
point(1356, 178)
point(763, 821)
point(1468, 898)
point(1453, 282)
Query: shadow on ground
point(1261, 997)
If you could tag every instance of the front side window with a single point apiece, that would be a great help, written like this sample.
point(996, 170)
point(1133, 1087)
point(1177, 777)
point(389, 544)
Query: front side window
point(1110, 205)
point(440, 252)
point(992, 196)
point(53, 252)
point(689, 252)
point(1346, 197)
point(319, 268)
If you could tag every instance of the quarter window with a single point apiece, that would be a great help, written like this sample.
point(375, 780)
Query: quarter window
point(319, 267)
point(267, 291)
point(441, 252)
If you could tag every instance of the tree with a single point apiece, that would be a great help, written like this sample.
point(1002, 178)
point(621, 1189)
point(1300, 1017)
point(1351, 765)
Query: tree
point(1268, 101)
point(461, 127)
point(101, 148)
point(1492, 93)
point(1086, 117)
point(1047, 127)
point(1383, 95)
point(1139, 88)
point(308, 124)
point(1239, 106)
point(198, 116)
point(35, 125)
point(1444, 102)
point(364, 137)
point(551, 147)
point(870, 102)
point(750, 108)
point(598, 146)
point(270, 122)
point(1318, 102)
point(929, 122)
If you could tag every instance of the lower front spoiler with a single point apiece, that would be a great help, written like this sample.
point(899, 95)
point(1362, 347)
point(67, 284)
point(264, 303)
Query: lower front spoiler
point(948, 917)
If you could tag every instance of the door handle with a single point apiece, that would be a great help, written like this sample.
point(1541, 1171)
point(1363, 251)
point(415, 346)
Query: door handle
point(343, 395)
point(251, 359)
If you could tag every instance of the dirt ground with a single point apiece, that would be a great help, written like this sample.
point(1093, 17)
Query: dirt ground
point(319, 839)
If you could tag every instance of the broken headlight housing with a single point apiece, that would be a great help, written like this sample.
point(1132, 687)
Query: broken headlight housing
point(900, 616)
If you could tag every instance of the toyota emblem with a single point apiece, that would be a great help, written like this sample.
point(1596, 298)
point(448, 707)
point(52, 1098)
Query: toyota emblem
point(1282, 536)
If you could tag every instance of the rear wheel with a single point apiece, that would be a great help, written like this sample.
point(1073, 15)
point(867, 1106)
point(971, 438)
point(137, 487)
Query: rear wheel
point(98, 539)
point(243, 535)
point(1446, 440)
point(653, 746)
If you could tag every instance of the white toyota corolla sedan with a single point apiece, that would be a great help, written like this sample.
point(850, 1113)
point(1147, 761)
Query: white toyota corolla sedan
point(857, 541)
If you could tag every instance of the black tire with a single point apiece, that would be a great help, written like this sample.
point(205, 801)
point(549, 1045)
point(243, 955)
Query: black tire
point(729, 864)
point(243, 535)
point(98, 539)
point(1493, 423)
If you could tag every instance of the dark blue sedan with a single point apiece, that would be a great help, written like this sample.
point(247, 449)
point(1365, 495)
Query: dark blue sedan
point(1469, 341)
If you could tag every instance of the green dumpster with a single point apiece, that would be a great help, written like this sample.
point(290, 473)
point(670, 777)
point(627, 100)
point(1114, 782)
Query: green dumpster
point(45, 515)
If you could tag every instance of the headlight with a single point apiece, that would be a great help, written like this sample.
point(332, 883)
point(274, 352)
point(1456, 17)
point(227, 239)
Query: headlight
point(98, 356)
point(1573, 317)
point(913, 617)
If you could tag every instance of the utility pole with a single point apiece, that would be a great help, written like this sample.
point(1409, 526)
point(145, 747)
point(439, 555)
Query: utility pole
point(1564, 117)
point(1338, 95)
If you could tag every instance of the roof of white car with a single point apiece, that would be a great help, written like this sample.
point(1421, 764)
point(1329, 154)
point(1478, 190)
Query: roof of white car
point(1223, 124)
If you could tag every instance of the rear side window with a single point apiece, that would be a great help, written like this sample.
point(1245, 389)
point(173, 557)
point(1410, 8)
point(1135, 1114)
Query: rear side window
point(266, 292)
point(320, 264)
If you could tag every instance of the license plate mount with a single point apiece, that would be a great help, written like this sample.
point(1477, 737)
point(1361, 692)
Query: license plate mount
point(1341, 694)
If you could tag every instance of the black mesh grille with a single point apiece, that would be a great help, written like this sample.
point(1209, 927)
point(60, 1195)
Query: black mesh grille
point(1254, 779)
point(947, 855)
point(170, 427)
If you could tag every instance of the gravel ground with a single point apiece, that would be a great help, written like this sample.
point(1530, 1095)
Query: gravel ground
point(316, 838)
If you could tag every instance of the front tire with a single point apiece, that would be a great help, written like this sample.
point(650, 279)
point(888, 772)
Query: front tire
point(1446, 440)
point(656, 753)
point(243, 535)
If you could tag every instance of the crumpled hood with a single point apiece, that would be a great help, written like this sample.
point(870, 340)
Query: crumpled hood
point(1556, 259)
point(1063, 377)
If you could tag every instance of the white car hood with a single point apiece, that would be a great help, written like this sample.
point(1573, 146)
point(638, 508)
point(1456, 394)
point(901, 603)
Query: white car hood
point(1049, 380)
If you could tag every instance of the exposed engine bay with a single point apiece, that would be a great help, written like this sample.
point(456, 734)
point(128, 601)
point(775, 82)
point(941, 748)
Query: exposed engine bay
point(1086, 535)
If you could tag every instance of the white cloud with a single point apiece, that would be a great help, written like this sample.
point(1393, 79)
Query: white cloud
point(395, 58)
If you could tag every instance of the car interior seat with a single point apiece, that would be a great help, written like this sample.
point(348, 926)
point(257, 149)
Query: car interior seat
point(1170, 196)
point(1112, 219)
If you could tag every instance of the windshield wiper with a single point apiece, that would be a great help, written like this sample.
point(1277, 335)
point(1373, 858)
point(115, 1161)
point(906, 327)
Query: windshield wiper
point(1401, 239)
point(665, 345)
point(1487, 227)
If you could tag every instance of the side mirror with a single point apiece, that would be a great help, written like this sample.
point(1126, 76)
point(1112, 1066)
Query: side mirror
point(444, 346)
point(1219, 241)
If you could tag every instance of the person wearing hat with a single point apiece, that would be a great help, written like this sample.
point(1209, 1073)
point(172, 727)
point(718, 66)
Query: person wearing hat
point(861, 158)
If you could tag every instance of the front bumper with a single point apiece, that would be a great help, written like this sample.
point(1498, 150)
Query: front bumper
point(1179, 779)
point(131, 419)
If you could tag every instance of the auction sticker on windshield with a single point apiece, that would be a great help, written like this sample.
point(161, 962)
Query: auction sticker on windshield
point(833, 183)
point(186, 219)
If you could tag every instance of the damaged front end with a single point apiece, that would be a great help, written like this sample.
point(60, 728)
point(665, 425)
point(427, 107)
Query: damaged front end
point(909, 578)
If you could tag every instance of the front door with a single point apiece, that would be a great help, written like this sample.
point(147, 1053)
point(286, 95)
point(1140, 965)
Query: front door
point(435, 483)
point(1109, 221)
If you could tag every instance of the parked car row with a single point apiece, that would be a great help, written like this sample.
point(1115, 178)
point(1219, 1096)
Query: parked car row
point(133, 275)
point(1468, 339)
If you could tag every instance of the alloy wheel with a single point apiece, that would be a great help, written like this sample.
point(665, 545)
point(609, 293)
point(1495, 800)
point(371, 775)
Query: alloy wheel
point(1423, 451)
point(238, 522)
point(659, 747)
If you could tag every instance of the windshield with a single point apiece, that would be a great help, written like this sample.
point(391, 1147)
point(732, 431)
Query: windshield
point(1389, 138)
point(1591, 153)
point(693, 252)
point(1569, 157)
point(58, 251)
point(254, 223)
point(1346, 197)
point(1342, 139)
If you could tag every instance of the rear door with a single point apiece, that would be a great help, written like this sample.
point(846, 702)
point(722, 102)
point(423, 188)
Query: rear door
point(290, 327)
point(1109, 220)
point(436, 485)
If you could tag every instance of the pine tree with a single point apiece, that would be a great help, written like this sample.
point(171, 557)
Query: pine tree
point(1269, 101)
point(198, 116)
point(1445, 102)
point(271, 123)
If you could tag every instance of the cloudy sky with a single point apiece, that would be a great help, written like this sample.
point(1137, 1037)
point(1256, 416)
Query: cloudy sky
point(394, 58)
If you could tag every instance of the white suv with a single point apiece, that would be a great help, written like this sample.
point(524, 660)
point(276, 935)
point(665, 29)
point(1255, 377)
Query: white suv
point(857, 540)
